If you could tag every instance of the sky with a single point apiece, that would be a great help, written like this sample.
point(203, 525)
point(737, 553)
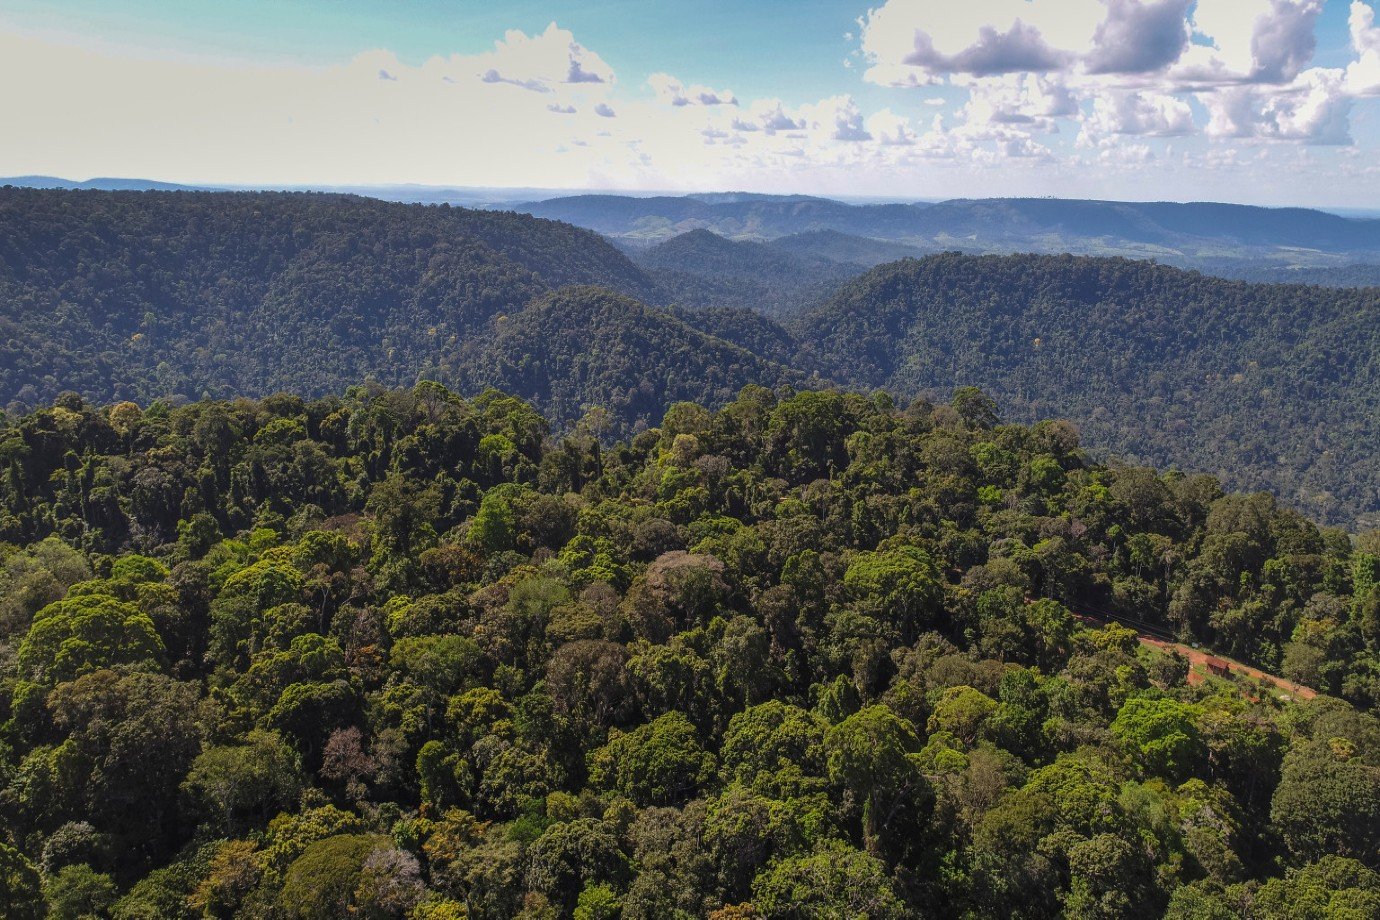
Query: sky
point(1258, 101)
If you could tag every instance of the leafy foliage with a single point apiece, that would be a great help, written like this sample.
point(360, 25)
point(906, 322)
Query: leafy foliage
point(398, 654)
point(1267, 386)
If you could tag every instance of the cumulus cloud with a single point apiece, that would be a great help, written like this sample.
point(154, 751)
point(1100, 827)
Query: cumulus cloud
point(1249, 41)
point(1140, 113)
point(770, 116)
point(1019, 49)
point(671, 91)
point(891, 129)
point(1313, 109)
point(838, 117)
point(1363, 74)
point(1123, 68)
point(541, 62)
point(915, 42)
point(1139, 37)
point(1026, 85)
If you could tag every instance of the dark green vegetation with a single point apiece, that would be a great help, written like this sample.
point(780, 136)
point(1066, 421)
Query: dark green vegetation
point(586, 346)
point(179, 295)
point(400, 655)
point(1356, 275)
point(1269, 386)
point(138, 295)
point(701, 269)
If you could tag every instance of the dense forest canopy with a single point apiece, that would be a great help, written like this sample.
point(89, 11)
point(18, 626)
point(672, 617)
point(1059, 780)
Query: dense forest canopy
point(148, 295)
point(1268, 386)
point(397, 654)
point(700, 269)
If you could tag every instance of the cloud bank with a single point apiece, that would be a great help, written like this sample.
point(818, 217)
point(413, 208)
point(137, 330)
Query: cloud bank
point(1044, 89)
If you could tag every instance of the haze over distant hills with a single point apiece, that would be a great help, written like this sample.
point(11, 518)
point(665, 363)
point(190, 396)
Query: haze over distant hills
point(1197, 235)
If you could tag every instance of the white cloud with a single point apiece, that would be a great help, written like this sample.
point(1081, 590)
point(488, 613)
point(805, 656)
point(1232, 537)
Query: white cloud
point(1363, 74)
point(891, 129)
point(1314, 109)
point(1124, 68)
point(770, 116)
point(1103, 81)
point(1249, 41)
point(1139, 113)
point(540, 63)
point(671, 91)
point(838, 117)
point(1139, 37)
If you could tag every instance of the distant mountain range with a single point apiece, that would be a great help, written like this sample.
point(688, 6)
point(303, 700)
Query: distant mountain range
point(100, 184)
point(147, 295)
point(1231, 238)
point(1235, 241)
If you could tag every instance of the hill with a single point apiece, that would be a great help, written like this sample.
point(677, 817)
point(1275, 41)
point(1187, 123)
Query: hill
point(752, 216)
point(844, 248)
point(702, 269)
point(397, 654)
point(139, 295)
point(97, 184)
point(583, 347)
point(1350, 275)
point(746, 328)
point(1270, 386)
point(174, 295)
point(1192, 234)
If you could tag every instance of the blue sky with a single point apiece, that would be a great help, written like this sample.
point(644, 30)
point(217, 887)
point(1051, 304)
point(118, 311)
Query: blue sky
point(1272, 101)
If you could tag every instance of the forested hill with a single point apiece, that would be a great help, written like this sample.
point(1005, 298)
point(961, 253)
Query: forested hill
point(583, 346)
point(1269, 386)
point(701, 269)
point(145, 294)
point(402, 656)
point(162, 295)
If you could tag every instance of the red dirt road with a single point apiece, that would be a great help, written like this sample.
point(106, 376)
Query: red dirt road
point(1200, 658)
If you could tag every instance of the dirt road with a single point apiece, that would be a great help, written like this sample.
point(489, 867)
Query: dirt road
point(1197, 658)
point(1200, 658)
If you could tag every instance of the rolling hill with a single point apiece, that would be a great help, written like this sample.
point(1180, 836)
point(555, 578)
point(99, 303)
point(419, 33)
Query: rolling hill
point(587, 346)
point(177, 295)
point(1191, 235)
point(138, 295)
point(701, 269)
point(1270, 386)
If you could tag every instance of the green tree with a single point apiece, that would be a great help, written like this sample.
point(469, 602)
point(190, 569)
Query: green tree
point(21, 889)
point(870, 755)
point(653, 764)
point(81, 634)
point(1161, 734)
point(831, 881)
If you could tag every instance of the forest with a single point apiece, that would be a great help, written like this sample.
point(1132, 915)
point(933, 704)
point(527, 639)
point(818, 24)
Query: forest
point(184, 295)
point(395, 653)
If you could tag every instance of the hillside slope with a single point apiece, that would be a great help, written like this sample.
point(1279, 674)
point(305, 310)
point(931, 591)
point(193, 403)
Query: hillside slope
point(702, 269)
point(1270, 386)
point(139, 295)
point(396, 654)
point(587, 346)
